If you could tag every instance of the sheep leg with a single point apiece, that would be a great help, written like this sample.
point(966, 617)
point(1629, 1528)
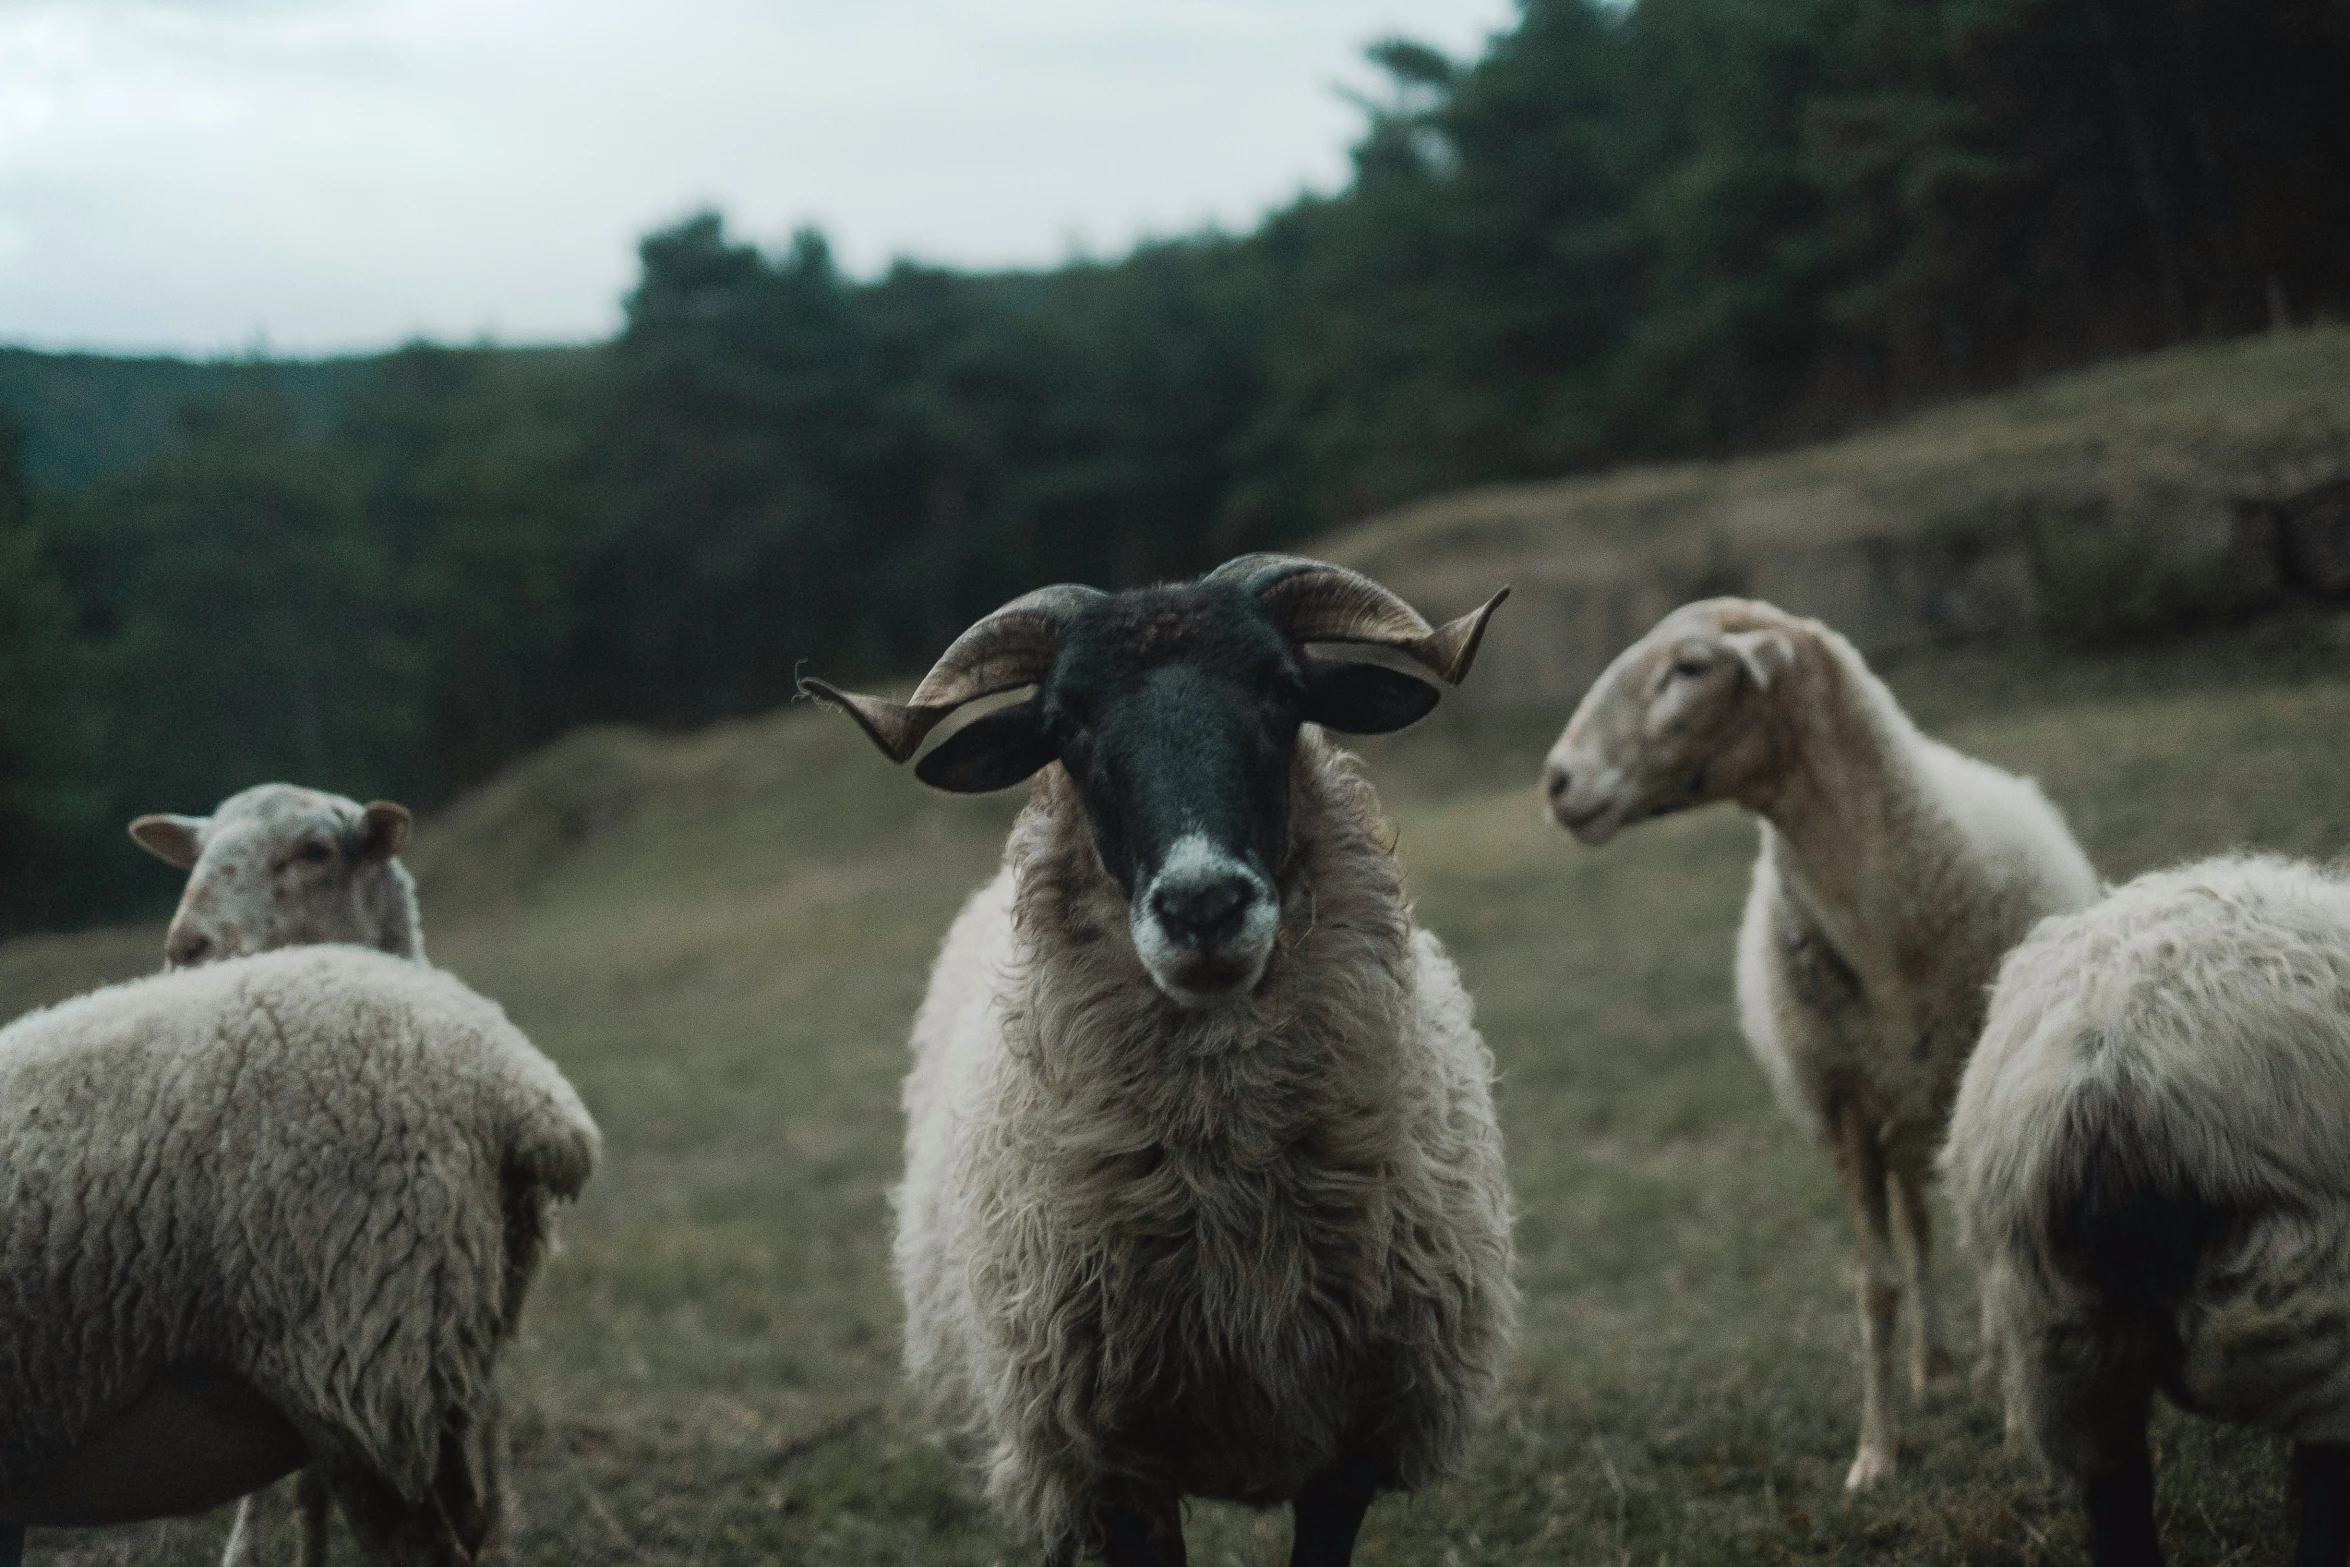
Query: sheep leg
point(2321, 1503)
point(303, 1497)
point(1329, 1513)
point(1860, 1164)
point(2085, 1393)
point(1930, 1366)
point(2119, 1498)
point(461, 1489)
point(248, 1536)
point(391, 1530)
point(1996, 1368)
point(1142, 1536)
point(497, 1458)
point(312, 1505)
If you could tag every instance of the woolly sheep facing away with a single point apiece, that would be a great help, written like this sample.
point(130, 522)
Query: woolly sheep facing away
point(291, 1154)
point(2150, 1157)
point(278, 865)
point(1204, 1194)
point(1894, 875)
point(282, 866)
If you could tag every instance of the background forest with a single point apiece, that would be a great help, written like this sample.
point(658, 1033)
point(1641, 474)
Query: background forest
point(1676, 227)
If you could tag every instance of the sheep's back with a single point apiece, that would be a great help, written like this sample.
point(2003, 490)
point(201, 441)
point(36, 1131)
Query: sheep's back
point(293, 1166)
point(2014, 837)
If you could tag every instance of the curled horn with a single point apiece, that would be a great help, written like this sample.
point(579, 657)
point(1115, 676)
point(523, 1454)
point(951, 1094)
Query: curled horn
point(1319, 602)
point(1015, 646)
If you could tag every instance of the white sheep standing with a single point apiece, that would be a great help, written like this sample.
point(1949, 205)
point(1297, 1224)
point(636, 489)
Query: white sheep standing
point(271, 1212)
point(278, 865)
point(2150, 1159)
point(1204, 1193)
point(1894, 875)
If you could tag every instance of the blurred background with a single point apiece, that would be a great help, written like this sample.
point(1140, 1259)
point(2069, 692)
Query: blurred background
point(347, 443)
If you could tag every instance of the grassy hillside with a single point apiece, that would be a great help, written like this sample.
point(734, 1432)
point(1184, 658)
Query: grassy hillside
point(723, 937)
point(2265, 415)
point(2203, 485)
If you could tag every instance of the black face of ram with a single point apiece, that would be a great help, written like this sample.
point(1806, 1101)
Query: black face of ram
point(1176, 711)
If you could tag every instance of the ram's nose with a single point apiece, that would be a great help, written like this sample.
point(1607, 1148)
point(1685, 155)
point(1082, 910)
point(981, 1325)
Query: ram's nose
point(1204, 927)
point(1206, 912)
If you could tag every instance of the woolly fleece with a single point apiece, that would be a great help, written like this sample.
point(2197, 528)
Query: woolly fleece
point(296, 1166)
point(2150, 1156)
point(1165, 1251)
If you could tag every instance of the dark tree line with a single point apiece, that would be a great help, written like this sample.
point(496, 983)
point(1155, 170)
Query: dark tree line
point(1678, 227)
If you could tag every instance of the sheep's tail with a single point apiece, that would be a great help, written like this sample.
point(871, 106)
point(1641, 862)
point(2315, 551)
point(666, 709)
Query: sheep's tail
point(548, 1160)
point(2119, 1220)
point(554, 1151)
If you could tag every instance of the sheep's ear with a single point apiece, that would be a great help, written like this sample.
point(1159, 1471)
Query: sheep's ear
point(994, 752)
point(1766, 654)
point(1364, 699)
point(171, 839)
point(383, 828)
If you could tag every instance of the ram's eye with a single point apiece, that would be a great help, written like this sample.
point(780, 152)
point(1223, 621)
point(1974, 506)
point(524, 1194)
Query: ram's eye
point(1691, 668)
point(314, 853)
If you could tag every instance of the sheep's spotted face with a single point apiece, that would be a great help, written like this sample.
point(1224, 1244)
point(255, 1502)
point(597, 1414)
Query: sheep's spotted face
point(279, 866)
point(1176, 712)
point(1668, 726)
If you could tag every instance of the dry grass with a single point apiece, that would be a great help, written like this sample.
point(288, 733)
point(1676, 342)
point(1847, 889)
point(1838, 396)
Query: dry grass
point(722, 940)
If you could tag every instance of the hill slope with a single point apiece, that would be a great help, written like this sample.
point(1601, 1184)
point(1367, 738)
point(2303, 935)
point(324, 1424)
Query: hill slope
point(2201, 484)
point(722, 938)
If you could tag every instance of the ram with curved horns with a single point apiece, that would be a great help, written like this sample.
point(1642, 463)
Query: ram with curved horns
point(1204, 1193)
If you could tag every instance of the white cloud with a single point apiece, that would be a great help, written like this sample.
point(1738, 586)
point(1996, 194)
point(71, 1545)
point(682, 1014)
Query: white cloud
point(191, 174)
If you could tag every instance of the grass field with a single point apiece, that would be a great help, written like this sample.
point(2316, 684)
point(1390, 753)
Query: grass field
point(722, 939)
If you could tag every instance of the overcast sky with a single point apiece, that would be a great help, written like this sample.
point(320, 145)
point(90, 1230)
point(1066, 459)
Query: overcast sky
point(208, 176)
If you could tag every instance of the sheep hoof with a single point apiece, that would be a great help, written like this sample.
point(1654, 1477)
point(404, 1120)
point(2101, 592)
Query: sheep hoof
point(1872, 1465)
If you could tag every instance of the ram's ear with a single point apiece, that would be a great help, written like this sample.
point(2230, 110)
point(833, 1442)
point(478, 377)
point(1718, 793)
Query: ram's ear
point(994, 752)
point(171, 839)
point(1364, 699)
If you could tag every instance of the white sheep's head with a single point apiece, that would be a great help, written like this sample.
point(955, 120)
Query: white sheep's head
point(1175, 712)
point(1680, 719)
point(281, 866)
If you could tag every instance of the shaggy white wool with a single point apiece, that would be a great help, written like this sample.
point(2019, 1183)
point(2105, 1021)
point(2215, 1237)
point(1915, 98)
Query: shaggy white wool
point(2162, 1098)
point(324, 1170)
point(1201, 1251)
